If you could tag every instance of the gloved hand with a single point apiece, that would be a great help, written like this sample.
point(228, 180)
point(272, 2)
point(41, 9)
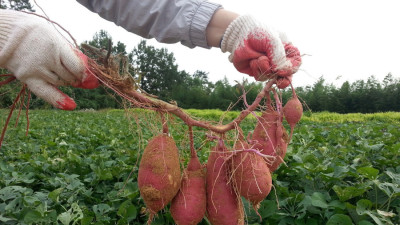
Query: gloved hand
point(260, 51)
point(40, 57)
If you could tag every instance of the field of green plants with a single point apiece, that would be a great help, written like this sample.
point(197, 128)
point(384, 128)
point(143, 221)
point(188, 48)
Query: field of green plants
point(81, 168)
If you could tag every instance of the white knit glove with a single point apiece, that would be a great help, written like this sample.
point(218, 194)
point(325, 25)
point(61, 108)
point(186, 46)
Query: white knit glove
point(260, 51)
point(40, 57)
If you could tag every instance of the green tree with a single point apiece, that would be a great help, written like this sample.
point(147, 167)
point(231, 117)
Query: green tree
point(345, 98)
point(16, 5)
point(194, 92)
point(103, 39)
point(316, 97)
point(223, 95)
point(373, 95)
point(358, 93)
point(391, 93)
point(158, 69)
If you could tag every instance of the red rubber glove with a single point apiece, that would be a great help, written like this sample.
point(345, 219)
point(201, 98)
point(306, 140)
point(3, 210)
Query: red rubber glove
point(260, 51)
point(40, 57)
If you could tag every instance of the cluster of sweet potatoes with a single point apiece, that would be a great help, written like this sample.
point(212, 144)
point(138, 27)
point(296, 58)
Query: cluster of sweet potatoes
point(214, 190)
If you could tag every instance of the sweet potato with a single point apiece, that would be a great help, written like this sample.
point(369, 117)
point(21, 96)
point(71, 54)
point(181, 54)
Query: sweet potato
point(270, 137)
point(159, 173)
point(251, 175)
point(189, 206)
point(293, 111)
point(282, 141)
point(264, 134)
point(224, 206)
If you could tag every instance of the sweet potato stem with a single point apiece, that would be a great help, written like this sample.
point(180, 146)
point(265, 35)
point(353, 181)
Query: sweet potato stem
point(11, 78)
point(192, 150)
point(9, 116)
point(145, 101)
point(164, 123)
point(27, 112)
point(21, 104)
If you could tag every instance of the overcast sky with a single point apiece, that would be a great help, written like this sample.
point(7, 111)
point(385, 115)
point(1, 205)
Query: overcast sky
point(343, 40)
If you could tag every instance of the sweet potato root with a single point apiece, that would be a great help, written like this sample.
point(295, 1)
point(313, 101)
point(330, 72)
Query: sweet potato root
point(189, 206)
point(224, 206)
point(293, 111)
point(159, 173)
point(251, 174)
point(270, 137)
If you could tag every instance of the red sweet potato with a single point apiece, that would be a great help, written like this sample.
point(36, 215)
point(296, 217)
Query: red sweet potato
point(270, 137)
point(251, 175)
point(189, 206)
point(224, 206)
point(159, 174)
point(282, 141)
point(293, 111)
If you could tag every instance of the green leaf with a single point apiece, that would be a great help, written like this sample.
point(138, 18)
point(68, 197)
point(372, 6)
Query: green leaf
point(11, 206)
point(365, 222)
point(23, 177)
point(297, 158)
point(368, 172)
point(395, 176)
point(389, 189)
point(347, 193)
point(75, 184)
point(5, 219)
point(42, 208)
point(339, 219)
point(337, 204)
point(312, 221)
point(375, 218)
point(55, 194)
point(87, 220)
point(127, 211)
point(32, 216)
point(318, 200)
point(131, 190)
point(363, 206)
point(31, 200)
point(11, 192)
point(65, 218)
point(268, 208)
point(340, 171)
point(74, 214)
point(376, 147)
point(300, 222)
point(101, 209)
point(131, 213)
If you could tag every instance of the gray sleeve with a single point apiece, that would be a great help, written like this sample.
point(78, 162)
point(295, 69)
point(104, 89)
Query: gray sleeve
point(168, 21)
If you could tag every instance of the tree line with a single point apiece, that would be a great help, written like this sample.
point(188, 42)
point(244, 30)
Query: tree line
point(158, 74)
point(16, 5)
point(364, 96)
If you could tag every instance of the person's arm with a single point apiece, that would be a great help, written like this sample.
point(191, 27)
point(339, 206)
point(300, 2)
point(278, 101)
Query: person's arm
point(168, 21)
point(255, 48)
point(217, 26)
